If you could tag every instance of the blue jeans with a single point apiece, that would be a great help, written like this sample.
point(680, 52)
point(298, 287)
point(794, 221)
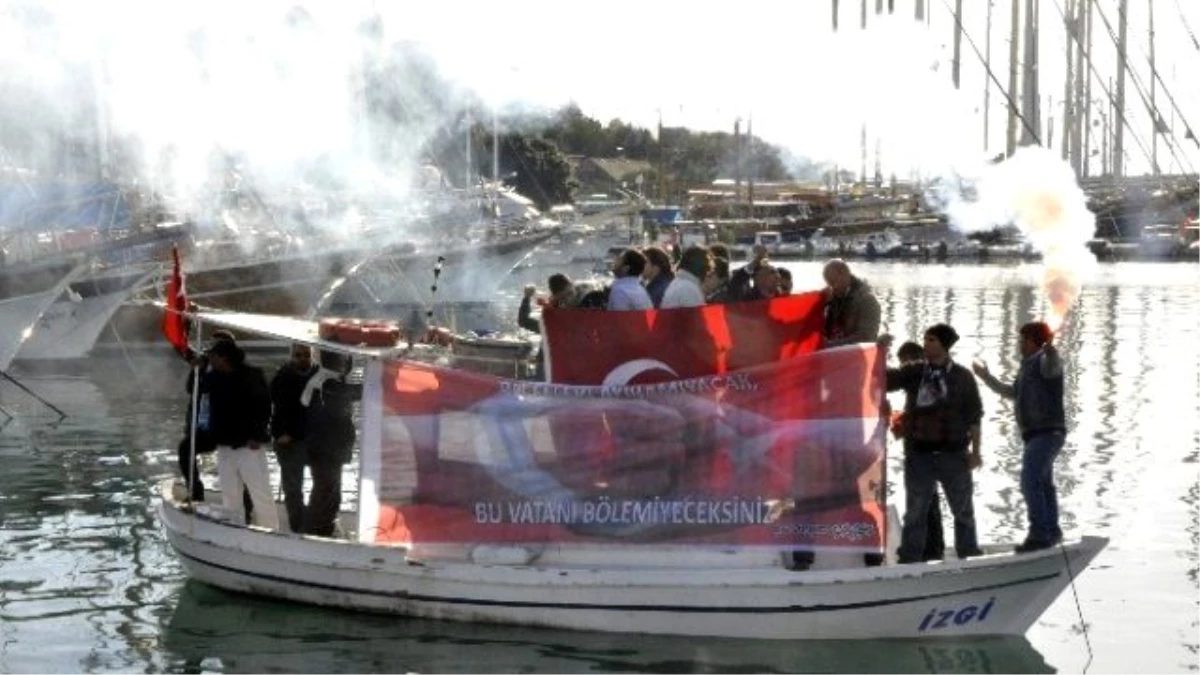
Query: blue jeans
point(922, 472)
point(1037, 485)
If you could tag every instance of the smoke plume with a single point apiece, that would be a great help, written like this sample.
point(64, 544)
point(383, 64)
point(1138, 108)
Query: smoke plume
point(1036, 192)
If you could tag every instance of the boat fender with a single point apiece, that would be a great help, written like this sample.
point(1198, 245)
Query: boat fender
point(489, 554)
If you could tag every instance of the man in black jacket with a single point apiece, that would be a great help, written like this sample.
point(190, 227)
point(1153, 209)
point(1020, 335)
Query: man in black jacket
point(942, 415)
point(240, 411)
point(328, 401)
point(288, 429)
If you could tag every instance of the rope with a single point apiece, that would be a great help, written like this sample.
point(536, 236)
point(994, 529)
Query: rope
point(1087, 640)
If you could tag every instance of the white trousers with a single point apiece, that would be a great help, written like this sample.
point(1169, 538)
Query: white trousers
point(243, 467)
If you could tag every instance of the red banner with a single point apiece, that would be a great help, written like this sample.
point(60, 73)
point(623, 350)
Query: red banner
point(656, 345)
point(785, 455)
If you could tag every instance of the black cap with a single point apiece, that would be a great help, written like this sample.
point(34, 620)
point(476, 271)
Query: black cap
point(944, 334)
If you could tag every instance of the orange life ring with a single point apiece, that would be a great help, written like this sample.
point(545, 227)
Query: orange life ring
point(358, 332)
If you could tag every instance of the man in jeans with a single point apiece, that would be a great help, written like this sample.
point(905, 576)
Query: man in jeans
point(942, 414)
point(1041, 417)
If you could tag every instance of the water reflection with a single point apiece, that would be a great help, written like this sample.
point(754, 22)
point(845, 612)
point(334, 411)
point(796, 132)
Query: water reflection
point(214, 630)
point(88, 583)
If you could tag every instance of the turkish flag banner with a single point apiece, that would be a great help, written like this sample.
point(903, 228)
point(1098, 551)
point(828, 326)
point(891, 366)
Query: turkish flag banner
point(619, 348)
point(786, 455)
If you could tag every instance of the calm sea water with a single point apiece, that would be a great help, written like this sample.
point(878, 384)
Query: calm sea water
point(87, 582)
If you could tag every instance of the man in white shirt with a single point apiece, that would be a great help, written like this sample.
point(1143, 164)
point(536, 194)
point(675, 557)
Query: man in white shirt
point(686, 289)
point(627, 291)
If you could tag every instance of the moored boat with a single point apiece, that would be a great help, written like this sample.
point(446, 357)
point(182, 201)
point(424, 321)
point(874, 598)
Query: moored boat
point(665, 508)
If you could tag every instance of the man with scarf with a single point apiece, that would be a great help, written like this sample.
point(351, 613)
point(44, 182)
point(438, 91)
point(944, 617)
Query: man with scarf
point(328, 400)
point(288, 427)
point(851, 310)
point(1042, 419)
point(942, 413)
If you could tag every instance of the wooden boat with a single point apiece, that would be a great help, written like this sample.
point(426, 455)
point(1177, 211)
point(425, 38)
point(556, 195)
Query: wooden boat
point(452, 465)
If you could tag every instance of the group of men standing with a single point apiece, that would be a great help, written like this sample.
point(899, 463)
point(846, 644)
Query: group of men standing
point(940, 423)
point(305, 413)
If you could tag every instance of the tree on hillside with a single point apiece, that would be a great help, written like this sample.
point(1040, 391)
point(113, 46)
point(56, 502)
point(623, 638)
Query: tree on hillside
point(536, 168)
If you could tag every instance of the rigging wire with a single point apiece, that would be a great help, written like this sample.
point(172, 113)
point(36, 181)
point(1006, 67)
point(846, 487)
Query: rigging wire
point(1087, 56)
point(1188, 28)
point(1012, 105)
point(1137, 84)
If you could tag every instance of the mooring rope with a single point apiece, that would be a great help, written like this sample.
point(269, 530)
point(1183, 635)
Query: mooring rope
point(1087, 640)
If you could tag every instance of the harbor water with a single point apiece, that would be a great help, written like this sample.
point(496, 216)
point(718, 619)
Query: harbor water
point(88, 582)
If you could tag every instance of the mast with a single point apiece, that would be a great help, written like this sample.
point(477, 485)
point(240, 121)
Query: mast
point(954, 70)
point(1031, 127)
point(863, 142)
point(495, 151)
point(1014, 40)
point(750, 169)
point(987, 80)
point(1087, 92)
point(1119, 116)
point(467, 177)
point(1079, 102)
point(1154, 121)
point(1068, 83)
point(737, 159)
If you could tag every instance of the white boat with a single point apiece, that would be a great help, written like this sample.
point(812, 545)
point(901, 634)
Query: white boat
point(68, 329)
point(19, 314)
point(401, 555)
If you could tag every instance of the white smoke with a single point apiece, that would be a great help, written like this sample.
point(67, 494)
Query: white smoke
point(277, 92)
point(1036, 192)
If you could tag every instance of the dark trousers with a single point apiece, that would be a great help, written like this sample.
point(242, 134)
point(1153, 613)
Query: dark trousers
point(935, 536)
point(325, 500)
point(190, 468)
point(1037, 486)
point(923, 470)
point(292, 459)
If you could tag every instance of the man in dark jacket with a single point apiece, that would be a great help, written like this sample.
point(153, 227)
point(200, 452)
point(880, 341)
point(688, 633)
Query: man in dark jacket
point(328, 400)
point(189, 463)
point(240, 411)
point(1042, 419)
point(288, 429)
point(852, 313)
point(942, 416)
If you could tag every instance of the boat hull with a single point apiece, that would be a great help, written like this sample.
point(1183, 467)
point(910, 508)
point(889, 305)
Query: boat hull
point(715, 594)
point(70, 327)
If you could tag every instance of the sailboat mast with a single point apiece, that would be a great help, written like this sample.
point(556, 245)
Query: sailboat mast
point(1079, 102)
point(1153, 106)
point(467, 175)
point(955, 66)
point(1031, 126)
point(1087, 92)
point(750, 162)
point(1068, 119)
point(987, 80)
point(495, 150)
point(1014, 41)
point(1118, 121)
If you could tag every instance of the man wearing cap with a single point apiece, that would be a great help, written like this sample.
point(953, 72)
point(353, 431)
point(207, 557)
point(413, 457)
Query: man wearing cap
point(942, 413)
point(239, 413)
point(189, 463)
point(1042, 419)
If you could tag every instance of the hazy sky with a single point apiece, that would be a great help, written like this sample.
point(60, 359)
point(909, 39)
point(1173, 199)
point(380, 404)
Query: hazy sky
point(189, 77)
point(807, 87)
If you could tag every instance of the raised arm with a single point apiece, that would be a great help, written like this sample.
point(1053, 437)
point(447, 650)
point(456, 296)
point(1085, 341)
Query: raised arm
point(1051, 361)
point(982, 372)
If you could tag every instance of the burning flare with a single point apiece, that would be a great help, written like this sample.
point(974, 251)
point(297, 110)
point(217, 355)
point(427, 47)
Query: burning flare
point(1037, 192)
